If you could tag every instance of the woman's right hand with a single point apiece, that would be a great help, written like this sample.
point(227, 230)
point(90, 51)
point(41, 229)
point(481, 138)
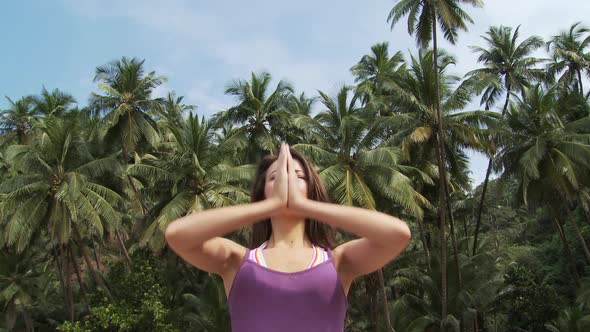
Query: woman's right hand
point(280, 189)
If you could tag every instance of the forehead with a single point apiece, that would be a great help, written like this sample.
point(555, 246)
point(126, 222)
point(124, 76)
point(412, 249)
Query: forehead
point(273, 167)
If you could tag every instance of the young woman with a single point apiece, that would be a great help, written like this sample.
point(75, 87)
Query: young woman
point(293, 277)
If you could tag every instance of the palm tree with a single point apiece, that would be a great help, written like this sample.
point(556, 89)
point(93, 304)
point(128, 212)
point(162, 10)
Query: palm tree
point(575, 318)
point(18, 119)
point(348, 150)
point(207, 311)
point(569, 55)
point(288, 132)
point(423, 16)
point(19, 286)
point(417, 307)
point(196, 173)
point(56, 190)
point(127, 104)
point(300, 104)
point(416, 125)
point(545, 154)
point(258, 115)
point(128, 109)
point(508, 67)
point(55, 102)
point(356, 169)
point(372, 72)
point(174, 109)
point(570, 320)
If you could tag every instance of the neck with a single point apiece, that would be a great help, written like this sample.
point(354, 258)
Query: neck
point(288, 233)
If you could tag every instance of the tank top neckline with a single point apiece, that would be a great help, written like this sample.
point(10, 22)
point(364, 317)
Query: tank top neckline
point(329, 260)
point(261, 248)
point(245, 260)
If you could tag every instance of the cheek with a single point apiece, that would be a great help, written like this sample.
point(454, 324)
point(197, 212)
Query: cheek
point(268, 189)
point(302, 186)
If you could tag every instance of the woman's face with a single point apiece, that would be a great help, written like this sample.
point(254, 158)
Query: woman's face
point(271, 175)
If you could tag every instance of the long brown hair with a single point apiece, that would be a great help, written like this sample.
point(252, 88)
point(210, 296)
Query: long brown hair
point(319, 233)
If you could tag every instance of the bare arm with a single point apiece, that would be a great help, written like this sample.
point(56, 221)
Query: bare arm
point(382, 237)
point(197, 237)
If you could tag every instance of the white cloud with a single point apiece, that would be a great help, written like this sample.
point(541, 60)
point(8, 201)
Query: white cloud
point(311, 44)
point(238, 45)
point(208, 101)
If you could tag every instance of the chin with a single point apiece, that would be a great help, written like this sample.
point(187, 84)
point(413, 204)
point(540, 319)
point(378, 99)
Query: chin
point(290, 217)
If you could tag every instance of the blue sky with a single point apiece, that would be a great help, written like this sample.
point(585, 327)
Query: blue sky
point(201, 46)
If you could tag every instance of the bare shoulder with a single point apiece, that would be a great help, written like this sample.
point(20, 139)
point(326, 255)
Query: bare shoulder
point(217, 255)
point(361, 256)
point(345, 278)
point(337, 254)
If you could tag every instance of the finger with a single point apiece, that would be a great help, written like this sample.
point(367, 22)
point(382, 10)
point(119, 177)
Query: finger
point(281, 151)
point(290, 162)
point(283, 157)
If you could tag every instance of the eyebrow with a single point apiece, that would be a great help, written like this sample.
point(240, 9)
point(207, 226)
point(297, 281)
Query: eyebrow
point(297, 170)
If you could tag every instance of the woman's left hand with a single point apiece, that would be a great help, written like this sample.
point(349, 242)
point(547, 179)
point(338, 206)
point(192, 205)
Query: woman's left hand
point(296, 199)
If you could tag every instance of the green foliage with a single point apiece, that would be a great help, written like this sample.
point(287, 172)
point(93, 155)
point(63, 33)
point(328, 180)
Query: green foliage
point(529, 302)
point(141, 301)
point(375, 145)
point(206, 310)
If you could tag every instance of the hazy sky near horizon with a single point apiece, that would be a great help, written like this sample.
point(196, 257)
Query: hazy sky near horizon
point(202, 46)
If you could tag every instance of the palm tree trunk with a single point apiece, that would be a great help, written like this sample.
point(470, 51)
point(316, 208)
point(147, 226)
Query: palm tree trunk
point(485, 182)
point(584, 208)
point(96, 259)
point(20, 134)
point(568, 253)
point(377, 316)
point(29, 327)
point(372, 289)
point(580, 82)
point(480, 206)
point(454, 240)
point(62, 282)
point(424, 243)
point(79, 278)
point(123, 248)
point(130, 179)
point(11, 316)
point(442, 175)
point(95, 275)
point(384, 297)
point(587, 216)
point(578, 232)
point(137, 194)
point(189, 274)
point(69, 295)
point(465, 233)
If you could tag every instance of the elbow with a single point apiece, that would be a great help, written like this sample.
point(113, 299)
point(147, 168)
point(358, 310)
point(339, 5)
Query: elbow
point(179, 237)
point(402, 233)
point(406, 234)
point(170, 234)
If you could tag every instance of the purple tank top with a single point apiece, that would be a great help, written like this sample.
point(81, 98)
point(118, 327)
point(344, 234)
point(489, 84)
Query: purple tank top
point(263, 299)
